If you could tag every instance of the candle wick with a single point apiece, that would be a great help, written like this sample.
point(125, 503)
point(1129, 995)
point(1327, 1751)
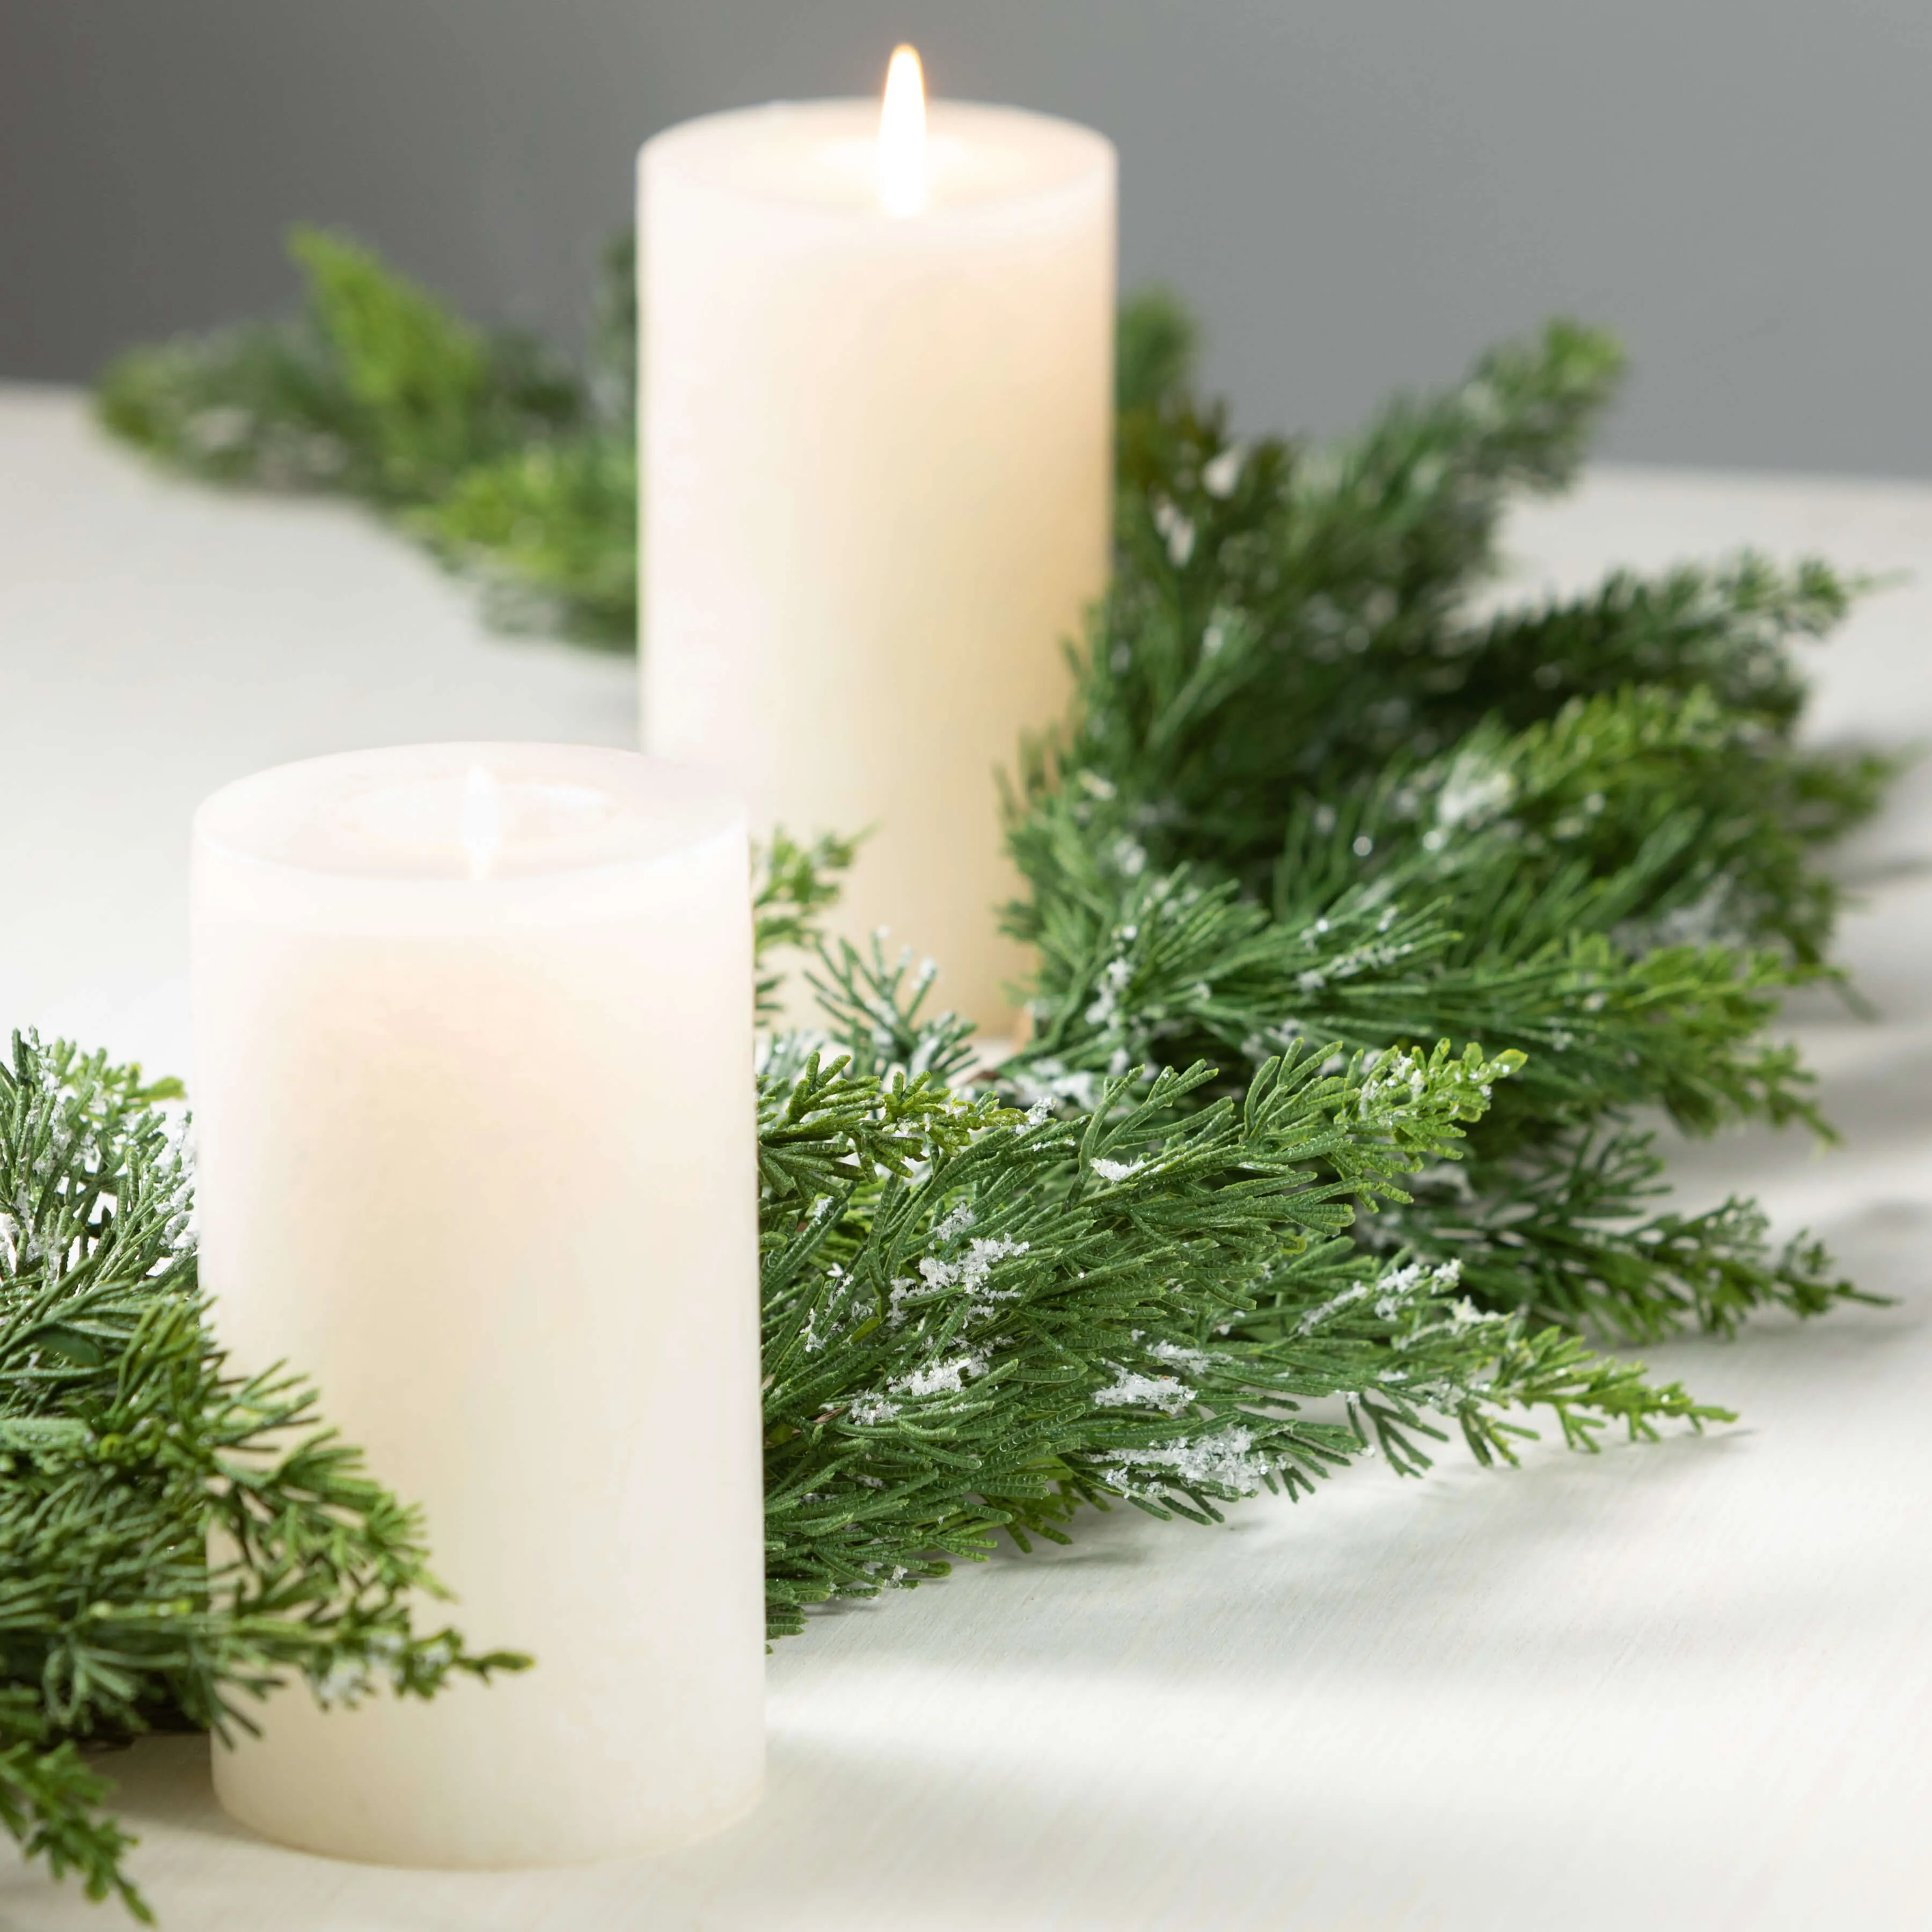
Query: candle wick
point(482, 828)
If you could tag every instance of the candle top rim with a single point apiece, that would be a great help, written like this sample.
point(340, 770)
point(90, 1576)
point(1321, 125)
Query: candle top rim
point(821, 155)
point(496, 814)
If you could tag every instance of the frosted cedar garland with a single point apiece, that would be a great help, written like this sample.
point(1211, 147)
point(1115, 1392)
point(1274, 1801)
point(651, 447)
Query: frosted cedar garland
point(123, 1444)
point(1366, 924)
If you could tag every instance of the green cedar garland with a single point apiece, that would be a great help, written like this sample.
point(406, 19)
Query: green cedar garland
point(499, 456)
point(123, 1444)
point(1368, 925)
point(977, 1318)
point(1312, 794)
point(1294, 829)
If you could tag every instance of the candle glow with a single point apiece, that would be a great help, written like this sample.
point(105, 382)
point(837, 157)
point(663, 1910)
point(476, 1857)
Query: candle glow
point(902, 136)
point(482, 821)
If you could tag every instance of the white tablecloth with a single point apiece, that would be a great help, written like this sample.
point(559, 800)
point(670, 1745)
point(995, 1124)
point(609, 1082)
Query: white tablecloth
point(1686, 1684)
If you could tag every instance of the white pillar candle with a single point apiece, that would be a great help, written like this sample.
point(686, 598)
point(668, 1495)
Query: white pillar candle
point(476, 1153)
point(876, 397)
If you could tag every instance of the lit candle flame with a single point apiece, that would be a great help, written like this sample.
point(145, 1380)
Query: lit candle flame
point(902, 136)
point(482, 832)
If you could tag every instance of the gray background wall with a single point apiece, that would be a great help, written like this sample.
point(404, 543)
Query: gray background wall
point(1356, 194)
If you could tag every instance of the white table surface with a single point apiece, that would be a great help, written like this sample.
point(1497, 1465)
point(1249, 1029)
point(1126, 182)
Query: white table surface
point(1682, 1684)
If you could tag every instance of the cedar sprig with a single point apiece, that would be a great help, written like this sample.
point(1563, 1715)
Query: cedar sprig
point(124, 1442)
point(1375, 912)
point(978, 1318)
point(1316, 784)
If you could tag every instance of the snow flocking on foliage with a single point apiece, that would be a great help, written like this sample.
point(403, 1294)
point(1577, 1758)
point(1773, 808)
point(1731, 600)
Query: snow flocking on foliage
point(1371, 916)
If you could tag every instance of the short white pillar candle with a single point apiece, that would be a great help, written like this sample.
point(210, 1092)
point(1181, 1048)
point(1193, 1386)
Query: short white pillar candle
point(476, 1144)
point(877, 432)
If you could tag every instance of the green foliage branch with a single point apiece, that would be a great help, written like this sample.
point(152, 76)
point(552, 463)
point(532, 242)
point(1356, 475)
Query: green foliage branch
point(515, 468)
point(1321, 783)
point(979, 1318)
point(126, 1444)
point(1375, 917)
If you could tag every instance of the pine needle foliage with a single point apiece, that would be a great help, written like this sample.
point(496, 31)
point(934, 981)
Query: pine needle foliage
point(515, 468)
point(978, 1319)
point(1377, 919)
point(548, 528)
point(975, 1319)
point(1317, 786)
point(377, 391)
point(124, 1445)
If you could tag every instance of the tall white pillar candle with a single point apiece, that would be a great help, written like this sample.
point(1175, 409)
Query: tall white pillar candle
point(876, 397)
point(476, 1153)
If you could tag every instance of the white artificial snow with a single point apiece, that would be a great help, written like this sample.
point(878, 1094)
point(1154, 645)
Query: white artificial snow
point(956, 1222)
point(1474, 791)
point(1183, 1357)
point(1178, 528)
point(1220, 474)
point(939, 1378)
point(970, 1271)
point(1226, 1460)
point(1115, 976)
point(1317, 1316)
point(1130, 1389)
